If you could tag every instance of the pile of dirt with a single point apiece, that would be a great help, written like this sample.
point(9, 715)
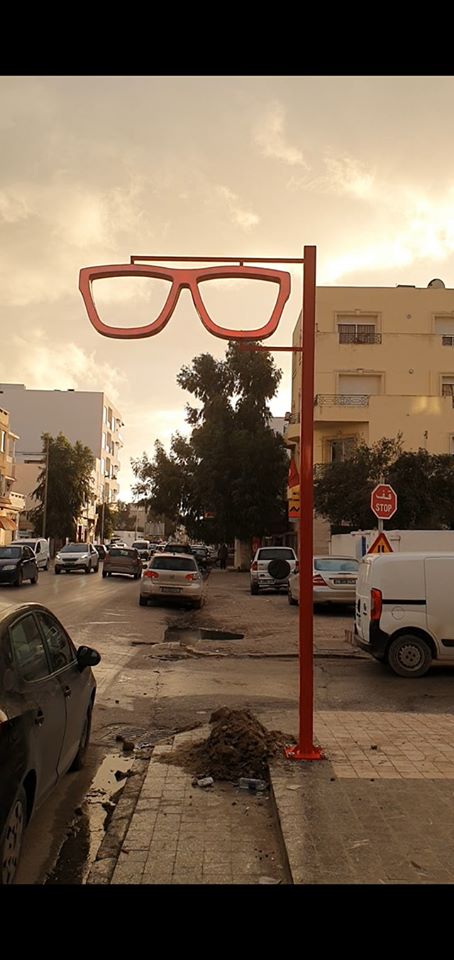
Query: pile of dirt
point(238, 746)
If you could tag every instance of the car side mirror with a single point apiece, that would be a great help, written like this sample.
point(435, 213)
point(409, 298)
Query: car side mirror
point(87, 657)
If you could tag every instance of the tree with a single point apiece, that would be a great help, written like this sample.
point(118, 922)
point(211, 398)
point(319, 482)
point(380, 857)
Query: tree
point(424, 484)
point(69, 486)
point(121, 517)
point(106, 529)
point(229, 478)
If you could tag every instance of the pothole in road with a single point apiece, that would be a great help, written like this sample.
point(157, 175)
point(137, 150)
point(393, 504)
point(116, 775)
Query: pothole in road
point(184, 635)
point(92, 817)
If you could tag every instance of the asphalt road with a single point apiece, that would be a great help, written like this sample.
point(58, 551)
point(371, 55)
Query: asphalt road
point(149, 687)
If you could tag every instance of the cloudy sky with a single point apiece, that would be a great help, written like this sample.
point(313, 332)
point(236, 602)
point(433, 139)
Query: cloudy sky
point(94, 169)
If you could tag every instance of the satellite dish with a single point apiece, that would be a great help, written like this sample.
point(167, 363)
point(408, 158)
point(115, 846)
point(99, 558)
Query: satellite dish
point(436, 283)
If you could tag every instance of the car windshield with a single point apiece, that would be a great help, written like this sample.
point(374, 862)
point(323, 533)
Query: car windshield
point(140, 545)
point(122, 552)
point(336, 564)
point(172, 563)
point(75, 548)
point(276, 553)
point(10, 553)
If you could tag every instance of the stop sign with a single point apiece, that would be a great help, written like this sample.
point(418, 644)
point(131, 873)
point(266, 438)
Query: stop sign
point(383, 501)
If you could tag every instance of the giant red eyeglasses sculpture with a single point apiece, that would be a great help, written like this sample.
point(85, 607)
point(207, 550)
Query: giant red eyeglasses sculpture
point(181, 278)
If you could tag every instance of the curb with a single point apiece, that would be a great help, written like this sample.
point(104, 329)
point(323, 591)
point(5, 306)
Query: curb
point(108, 853)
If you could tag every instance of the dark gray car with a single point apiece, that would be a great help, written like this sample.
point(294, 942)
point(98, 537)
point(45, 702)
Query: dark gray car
point(18, 563)
point(47, 692)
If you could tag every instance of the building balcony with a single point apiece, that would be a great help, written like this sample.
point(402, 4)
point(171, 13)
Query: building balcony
point(341, 407)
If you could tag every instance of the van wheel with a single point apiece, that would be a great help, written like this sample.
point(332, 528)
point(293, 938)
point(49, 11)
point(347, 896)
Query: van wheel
point(409, 656)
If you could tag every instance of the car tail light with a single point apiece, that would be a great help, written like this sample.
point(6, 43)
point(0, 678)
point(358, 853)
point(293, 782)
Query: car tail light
point(192, 576)
point(151, 574)
point(318, 581)
point(376, 604)
point(254, 566)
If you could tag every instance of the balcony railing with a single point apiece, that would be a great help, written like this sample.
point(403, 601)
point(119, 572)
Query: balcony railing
point(341, 400)
point(359, 337)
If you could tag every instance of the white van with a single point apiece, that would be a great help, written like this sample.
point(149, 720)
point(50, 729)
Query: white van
point(405, 609)
point(40, 548)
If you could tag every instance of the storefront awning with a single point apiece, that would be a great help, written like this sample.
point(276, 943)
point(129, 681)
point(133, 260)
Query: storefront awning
point(7, 524)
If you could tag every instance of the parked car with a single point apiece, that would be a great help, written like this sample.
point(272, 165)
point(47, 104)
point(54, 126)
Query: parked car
point(178, 548)
point(200, 552)
point(17, 563)
point(333, 581)
point(47, 692)
point(405, 610)
point(40, 548)
point(77, 556)
point(271, 568)
point(122, 560)
point(172, 576)
point(101, 550)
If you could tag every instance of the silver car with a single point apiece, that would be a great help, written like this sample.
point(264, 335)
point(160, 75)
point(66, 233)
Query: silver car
point(333, 581)
point(77, 556)
point(271, 568)
point(172, 576)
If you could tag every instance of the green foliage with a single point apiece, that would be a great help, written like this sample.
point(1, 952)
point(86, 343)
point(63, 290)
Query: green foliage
point(106, 530)
point(424, 484)
point(69, 486)
point(233, 466)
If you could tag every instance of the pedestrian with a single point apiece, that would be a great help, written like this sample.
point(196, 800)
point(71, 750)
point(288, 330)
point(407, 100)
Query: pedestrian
point(223, 553)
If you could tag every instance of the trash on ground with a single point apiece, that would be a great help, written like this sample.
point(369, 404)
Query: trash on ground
point(203, 782)
point(249, 783)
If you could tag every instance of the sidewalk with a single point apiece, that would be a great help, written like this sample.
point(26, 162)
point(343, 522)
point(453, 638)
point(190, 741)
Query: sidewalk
point(379, 809)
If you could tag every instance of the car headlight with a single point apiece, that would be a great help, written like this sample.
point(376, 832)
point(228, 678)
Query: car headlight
point(84, 556)
point(57, 556)
point(10, 566)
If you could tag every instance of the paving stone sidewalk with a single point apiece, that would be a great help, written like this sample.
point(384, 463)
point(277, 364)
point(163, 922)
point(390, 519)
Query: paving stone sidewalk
point(378, 810)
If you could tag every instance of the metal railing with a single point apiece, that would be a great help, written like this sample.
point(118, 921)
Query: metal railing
point(359, 337)
point(342, 400)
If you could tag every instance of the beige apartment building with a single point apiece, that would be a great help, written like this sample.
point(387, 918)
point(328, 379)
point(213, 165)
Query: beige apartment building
point(11, 503)
point(87, 416)
point(384, 363)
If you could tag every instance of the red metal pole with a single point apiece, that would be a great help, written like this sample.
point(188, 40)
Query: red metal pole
point(305, 749)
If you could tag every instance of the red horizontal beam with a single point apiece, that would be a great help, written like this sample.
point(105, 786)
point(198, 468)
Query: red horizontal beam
point(134, 259)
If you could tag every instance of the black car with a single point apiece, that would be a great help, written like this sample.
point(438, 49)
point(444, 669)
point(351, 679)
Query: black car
point(18, 563)
point(47, 692)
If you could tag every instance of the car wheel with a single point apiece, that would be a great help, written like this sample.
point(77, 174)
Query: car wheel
point(11, 837)
point(57, 571)
point(254, 588)
point(104, 573)
point(88, 569)
point(409, 656)
point(291, 599)
point(35, 578)
point(19, 579)
point(78, 761)
point(143, 601)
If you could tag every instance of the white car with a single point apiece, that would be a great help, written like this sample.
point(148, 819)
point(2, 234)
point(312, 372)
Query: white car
point(77, 556)
point(172, 576)
point(333, 581)
point(271, 568)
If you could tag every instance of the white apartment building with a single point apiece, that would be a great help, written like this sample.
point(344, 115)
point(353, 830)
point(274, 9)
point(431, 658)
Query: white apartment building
point(87, 416)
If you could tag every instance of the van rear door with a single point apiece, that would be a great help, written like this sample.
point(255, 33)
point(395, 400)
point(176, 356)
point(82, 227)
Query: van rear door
point(363, 601)
point(439, 575)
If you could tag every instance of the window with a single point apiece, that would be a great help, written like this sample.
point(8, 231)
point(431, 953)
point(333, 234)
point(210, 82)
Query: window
point(172, 563)
point(28, 649)
point(447, 386)
point(358, 333)
point(444, 327)
point(27, 553)
point(105, 415)
point(360, 385)
point(59, 645)
point(2, 441)
point(276, 553)
point(104, 441)
point(341, 449)
point(334, 565)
